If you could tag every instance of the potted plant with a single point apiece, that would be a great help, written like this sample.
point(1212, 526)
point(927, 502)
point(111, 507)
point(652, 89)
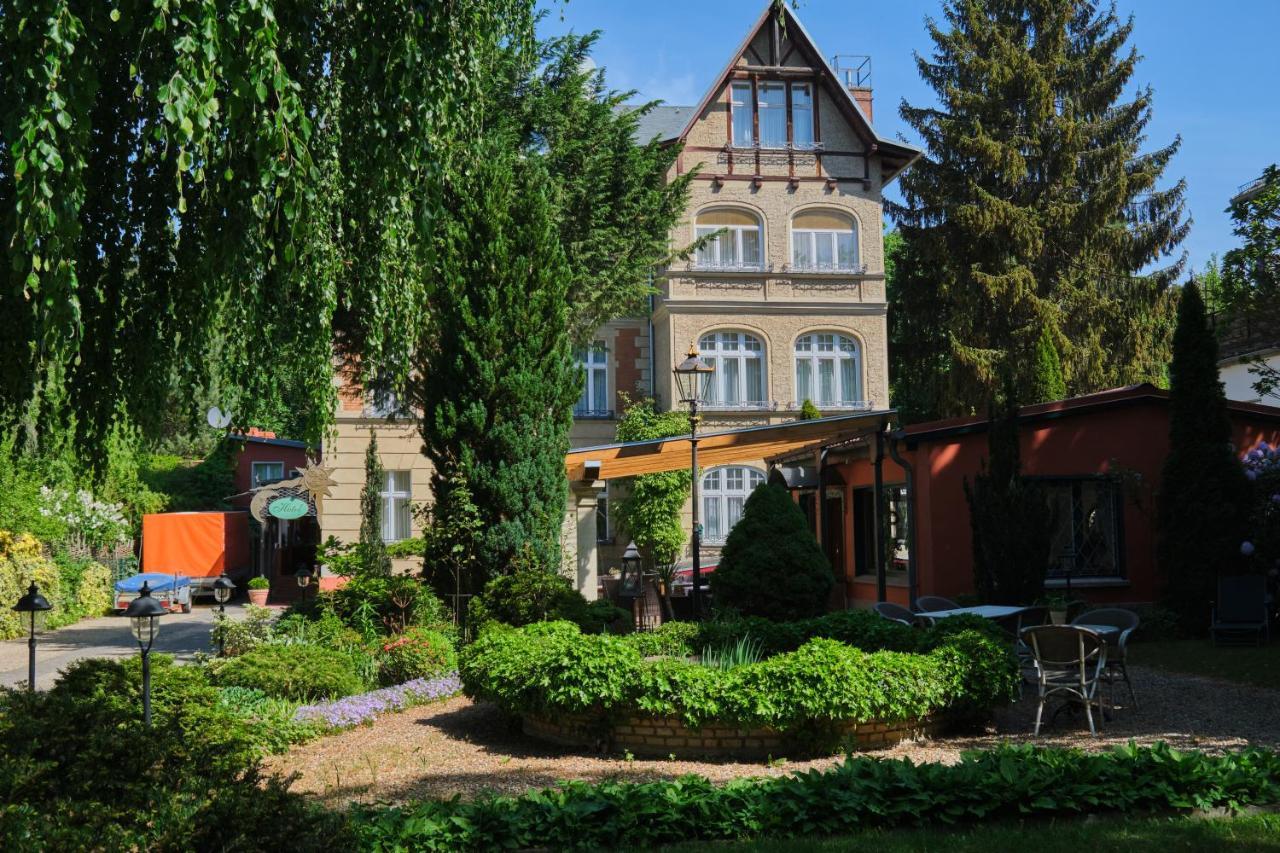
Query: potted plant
point(1058, 604)
point(258, 589)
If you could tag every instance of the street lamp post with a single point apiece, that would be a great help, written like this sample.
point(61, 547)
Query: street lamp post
point(34, 603)
point(144, 614)
point(303, 576)
point(222, 589)
point(689, 376)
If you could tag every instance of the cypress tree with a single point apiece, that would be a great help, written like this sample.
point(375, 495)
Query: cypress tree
point(1047, 382)
point(497, 378)
point(1203, 505)
point(1034, 208)
point(373, 551)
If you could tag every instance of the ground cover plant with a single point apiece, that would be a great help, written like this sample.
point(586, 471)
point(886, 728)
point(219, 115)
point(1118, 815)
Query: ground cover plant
point(553, 668)
point(1012, 782)
point(365, 707)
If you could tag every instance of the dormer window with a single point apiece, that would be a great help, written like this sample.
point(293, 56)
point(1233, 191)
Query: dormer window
point(737, 246)
point(767, 114)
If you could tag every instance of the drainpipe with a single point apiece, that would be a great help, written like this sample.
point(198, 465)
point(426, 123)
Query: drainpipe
point(653, 364)
point(896, 456)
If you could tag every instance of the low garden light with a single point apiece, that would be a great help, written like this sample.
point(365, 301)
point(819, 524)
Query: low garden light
point(631, 584)
point(33, 603)
point(223, 587)
point(691, 374)
point(304, 575)
point(144, 614)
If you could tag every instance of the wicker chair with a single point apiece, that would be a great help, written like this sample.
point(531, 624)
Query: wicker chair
point(898, 613)
point(1117, 655)
point(933, 603)
point(1069, 661)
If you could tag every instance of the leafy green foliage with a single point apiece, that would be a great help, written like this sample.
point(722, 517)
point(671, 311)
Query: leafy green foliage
point(771, 565)
point(808, 411)
point(531, 595)
point(1046, 382)
point(270, 719)
point(187, 487)
point(1251, 271)
point(746, 649)
point(371, 550)
point(1011, 519)
point(377, 605)
point(415, 653)
point(1013, 782)
point(1035, 208)
point(671, 639)
point(75, 587)
point(547, 668)
point(652, 508)
point(300, 672)
point(1203, 502)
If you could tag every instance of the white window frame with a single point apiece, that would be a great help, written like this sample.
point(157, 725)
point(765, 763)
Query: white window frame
point(602, 516)
point(713, 257)
point(719, 499)
point(814, 236)
point(256, 480)
point(812, 348)
point(395, 506)
point(740, 99)
point(594, 362)
point(728, 345)
point(766, 107)
point(807, 143)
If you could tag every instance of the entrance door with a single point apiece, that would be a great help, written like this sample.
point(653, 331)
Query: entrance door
point(864, 562)
point(833, 532)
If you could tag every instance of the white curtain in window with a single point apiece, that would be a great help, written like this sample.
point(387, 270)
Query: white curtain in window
point(827, 370)
point(595, 384)
point(396, 497)
point(723, 498)
point(773, 115)
point(739, 375)
point(743, 137)
point(801, 115)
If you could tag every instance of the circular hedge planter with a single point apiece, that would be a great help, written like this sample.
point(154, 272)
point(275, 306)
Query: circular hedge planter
point(846, 681)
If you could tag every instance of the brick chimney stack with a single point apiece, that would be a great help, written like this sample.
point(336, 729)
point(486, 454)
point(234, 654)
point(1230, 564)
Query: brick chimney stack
point(854, 71)
point(862, 94)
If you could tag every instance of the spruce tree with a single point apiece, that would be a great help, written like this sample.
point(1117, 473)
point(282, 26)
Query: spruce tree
point(498, 381)
point(1203, 503)
point(1035, 207)
point(1046, 382)
point(372, 550)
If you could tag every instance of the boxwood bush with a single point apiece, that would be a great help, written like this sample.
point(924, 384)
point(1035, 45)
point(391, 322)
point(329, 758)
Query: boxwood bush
point(299, 672)
point(552, 668)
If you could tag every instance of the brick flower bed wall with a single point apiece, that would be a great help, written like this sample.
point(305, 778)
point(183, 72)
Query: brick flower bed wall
point(659, 736)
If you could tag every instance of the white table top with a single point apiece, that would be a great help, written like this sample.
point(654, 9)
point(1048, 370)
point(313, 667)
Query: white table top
point(986, 611)
point(1097, 629)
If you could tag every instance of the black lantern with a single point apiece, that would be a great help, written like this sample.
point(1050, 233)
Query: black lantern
point(223, 587)
point(144, 614)
point(690, 375)
point(303, 576)
point(631, 585)
point(34, 603)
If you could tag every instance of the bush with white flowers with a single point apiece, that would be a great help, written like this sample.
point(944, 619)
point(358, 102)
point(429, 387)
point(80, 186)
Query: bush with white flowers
point(95, 523)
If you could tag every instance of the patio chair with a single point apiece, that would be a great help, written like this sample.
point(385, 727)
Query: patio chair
point(1028, 618)
point(1241, 609)
point(1069, 663)
point(1117, 653)
point(932, 603)
point(898, 613)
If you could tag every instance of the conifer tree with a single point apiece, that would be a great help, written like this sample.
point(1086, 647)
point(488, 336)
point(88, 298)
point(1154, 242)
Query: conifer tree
point(372, 549)
point(1047, 382)
point(1203, 503)
point(1034, 208)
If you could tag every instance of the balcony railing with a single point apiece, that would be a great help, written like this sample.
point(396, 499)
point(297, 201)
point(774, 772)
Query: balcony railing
point(832, 269)
point(838, 405)
point(741, 406)
point(721, 266)
point(593, 414)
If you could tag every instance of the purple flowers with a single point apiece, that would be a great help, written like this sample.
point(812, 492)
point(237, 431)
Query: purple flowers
point(362, 708)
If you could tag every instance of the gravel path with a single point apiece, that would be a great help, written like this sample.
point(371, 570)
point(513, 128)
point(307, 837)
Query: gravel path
point(459, 747)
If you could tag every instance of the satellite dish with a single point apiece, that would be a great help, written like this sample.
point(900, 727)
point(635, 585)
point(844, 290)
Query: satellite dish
point(217, 418)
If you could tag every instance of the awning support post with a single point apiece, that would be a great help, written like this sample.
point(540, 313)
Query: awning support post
point(877, 517)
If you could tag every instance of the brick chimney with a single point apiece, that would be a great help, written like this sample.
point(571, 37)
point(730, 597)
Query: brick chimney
point(862, 94)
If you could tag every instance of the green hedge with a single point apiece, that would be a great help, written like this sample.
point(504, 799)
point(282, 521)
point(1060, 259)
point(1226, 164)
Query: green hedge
point(550, 668)
point(1007, 783)
point(299, 672)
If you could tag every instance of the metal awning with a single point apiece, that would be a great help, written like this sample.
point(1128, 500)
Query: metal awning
point(627, 459)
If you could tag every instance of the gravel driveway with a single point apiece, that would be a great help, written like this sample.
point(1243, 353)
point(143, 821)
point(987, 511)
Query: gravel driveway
point(181, 635)
point(459, 747)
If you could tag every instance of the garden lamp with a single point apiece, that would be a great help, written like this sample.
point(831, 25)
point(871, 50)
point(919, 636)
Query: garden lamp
point(630, 584)
point(144, 614)
point(303, 575)
point(222, 589)
point(690, 375)
point(34, 603)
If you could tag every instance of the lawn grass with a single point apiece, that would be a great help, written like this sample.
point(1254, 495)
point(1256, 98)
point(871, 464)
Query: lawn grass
point(1256, 665)
point(1131, 835)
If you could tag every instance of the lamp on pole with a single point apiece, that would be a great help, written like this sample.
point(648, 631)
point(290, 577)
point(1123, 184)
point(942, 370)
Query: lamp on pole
point(690, 374)
point(222, 589)
point(34, 603)
point(144, 614)
point(303, 576)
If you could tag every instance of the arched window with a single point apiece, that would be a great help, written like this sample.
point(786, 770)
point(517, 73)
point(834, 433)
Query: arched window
point(824, 241)
point(828, 370)
point(738, 379)
point(724, 491)
point(738, 244)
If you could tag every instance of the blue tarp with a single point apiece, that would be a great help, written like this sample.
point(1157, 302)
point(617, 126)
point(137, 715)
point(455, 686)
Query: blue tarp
point(157, 581)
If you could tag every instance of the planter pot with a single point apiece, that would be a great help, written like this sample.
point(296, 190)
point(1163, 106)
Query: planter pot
point(258, 597)
point(1058, 617)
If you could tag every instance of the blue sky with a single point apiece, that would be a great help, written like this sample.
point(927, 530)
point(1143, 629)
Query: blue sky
point(1214, 68)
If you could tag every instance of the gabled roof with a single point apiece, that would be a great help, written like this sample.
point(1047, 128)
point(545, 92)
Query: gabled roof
point(895, 156)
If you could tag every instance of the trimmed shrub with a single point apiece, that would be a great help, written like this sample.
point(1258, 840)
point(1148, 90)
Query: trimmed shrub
point(417, 653)
point(302, 673)
point(552, 668)
point(671, 639)
point(1014, 783)
point(531, 595)
point(771, 565)
point(376, 605)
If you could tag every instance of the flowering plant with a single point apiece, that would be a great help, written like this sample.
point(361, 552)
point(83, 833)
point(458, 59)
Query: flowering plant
point(364, 707)
point(416, 653)
point(1262, 468)
point(97, 524)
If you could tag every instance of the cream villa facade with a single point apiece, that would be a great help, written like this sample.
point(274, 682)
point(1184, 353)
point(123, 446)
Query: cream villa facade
point(788, 301)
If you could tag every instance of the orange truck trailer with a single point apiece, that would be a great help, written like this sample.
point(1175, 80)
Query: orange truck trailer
point(199, 545)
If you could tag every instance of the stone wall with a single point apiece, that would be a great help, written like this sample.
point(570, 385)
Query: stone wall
point(664, 736)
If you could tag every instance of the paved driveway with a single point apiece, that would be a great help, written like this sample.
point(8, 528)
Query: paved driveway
point(181, 635)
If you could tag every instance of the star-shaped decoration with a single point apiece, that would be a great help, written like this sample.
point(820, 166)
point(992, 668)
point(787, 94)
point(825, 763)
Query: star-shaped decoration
point(317, 481)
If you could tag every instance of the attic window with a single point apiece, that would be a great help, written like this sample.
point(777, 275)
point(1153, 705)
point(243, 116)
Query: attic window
point(767, 113)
